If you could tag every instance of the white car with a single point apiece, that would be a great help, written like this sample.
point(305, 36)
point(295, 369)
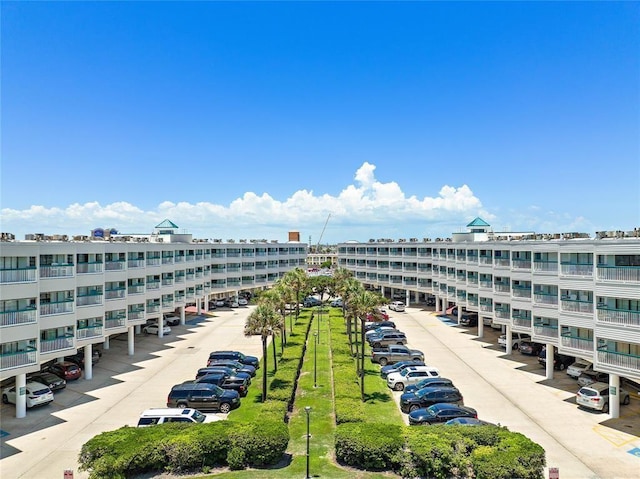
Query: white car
point(219, 303)
point(378, 330)
point(242, 302)
point(596, 396)
point(397, 306)
point(579, 367)
point(153, 329)
point(171, 319)
point(411, 375)
point(516, 339)
point(37, 394)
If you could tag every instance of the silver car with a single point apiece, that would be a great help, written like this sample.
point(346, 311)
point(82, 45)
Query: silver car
point(596, 396)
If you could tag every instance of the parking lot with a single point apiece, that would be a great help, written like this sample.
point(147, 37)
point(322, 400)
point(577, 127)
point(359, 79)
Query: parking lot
point(47, 441)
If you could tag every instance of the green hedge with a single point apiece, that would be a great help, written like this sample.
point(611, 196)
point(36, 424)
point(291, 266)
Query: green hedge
point(369, 446)
point(183, 447)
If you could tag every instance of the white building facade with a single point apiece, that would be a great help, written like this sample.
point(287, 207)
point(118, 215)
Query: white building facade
point(57, 296)
point(578, 295)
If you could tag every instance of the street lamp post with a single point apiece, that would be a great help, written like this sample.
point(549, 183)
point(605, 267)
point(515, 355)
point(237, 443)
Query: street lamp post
point(319, 318)
point(308, 410)
point(315, 363)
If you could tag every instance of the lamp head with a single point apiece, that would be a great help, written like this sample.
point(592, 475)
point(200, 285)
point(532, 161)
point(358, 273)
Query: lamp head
point(307, 408)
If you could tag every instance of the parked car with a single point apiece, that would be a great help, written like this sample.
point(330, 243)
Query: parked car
point(219, 303)
point(235, 365)
point(234, 356)
point(578, 367)
point(378, 315)
point(394, 354)
point(78, 358)
point(596, 396)
point(36, 394)
point(560, 361)
point(397, 306)
point(66, 370)
point(467, 421)
point(429, 382)
point(53, 382)
point(378, 331)
point(425, 397)
point(203, 397)
point(311, 301)
point(153, 329)
point(590, 377)
point(516, 339)
point(225, 381)
point(397, 367)
point(337, 303)
point(451, 311)
point(154, 416)
point(171, 319)
point(439, 413)
point(530, 348)
point(387, 338)
point(410, 375)
point(369, 325)
point(469, 319)
point(242, 302)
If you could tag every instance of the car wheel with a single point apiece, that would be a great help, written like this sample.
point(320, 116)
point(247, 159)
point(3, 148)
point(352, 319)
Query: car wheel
point(182, 404)
point(626, 400)
point(515, 346)
point(413, 408)
point(399, 387)
point(605, 408)
point(5, 399)
point(376, 345)
point(383, 361)
point(225, 407)
point(562, 366)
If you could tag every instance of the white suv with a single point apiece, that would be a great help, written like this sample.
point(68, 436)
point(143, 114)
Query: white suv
point(579, 367)
point(596, 396)
point(516, 339)
point(397, 306)
point(411, 375)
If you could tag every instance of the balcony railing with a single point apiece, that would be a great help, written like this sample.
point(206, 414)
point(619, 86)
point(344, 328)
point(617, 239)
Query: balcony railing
point(114, 265)
point(89, 300)
point(19, 359)
point(13, 318)
point(545, 266)
point(576, 269)
point(135, 263)
point(18, 275)
point(167, 282)
point(136, 289)
point(89, 332)
point(502, 262)
point(522, 322)
point(89, 268)
point(575, 306)
point(115, 323)
point(546, 330)
point(486, 284)
point(119, 293)
point(628, 274)
point(61, 307)
point(503, 313)
point(545, 298)
point(153, 285)
point(153, 261)
point(58, 271)
point(153, 308)
point(502, 288)
point(576, 343)
point(57, 344)
point(521, 292)
point(617, 316)
point(521, 263)
point(620, 360)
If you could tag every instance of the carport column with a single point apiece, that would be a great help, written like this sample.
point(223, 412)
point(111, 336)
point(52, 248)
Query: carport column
point(382, 290)
point(21, 399)
point(459, 313)
point(437, 304)
point(130, 339)
point(480, 326)
point(408, 298)
point(509, 339)
point(138, 328)
point(614, 395)
point(160, 324)
point(549, 353)
point(183, 316)
point(88, 361)
point(106, 343)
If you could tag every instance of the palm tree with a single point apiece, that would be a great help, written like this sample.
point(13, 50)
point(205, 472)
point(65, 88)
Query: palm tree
point(277, 297)
point(352, 287)
point(262, 321)
point(297, 281)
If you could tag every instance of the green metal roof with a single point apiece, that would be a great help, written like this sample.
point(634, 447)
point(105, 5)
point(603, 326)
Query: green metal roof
point(478, 222)
point(167, 224)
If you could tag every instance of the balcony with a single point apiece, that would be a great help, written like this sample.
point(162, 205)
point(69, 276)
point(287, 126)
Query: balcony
point(153, 284)
point(89, 268)
point(619, 317)
point(153, 261)
point(57, 344)
point(503, 313)
point(619, 360)
point(153, 307)
point(546, 330)
point(21, 316)
point(91, 299)
point(545, 298)
point(115, 265)
point(60, 307)
point(19, 275)
point(545, 266)
point(570, 269)
point(487, 284)
point(573, 342)
point(521, 292)
point(56, 271)
point(502, 288)
point(486, 260)
point(119, 293)
point(576, 306)
point(135, 263)
point(136, 289)
point(502, 263)
point(19, 359)
point(521, 321)
point(89, 332)
point(624, 274)
point(520, 263)
point(115, 323)
point(167, 282)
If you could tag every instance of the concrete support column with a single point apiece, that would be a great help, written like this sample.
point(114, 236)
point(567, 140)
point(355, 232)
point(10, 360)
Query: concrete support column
point(480, 326)
point(459, 313)
point(130, 339)
point(106, 343)
point(549, 354)
point(138, 328)
point(183, 315)
point(21, 395)
point(614, 395)
point(437, 304)
point(88, 361)
point(509, 340)
point(161, 326)
point(382, 290)
point(408, 298)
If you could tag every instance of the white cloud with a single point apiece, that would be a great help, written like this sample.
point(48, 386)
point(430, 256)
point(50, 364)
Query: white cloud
point(368, 208)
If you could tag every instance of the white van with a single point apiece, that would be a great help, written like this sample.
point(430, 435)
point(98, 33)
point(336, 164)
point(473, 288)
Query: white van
point(159, 415)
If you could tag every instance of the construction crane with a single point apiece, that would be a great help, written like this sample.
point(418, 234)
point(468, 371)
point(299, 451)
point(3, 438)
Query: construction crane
point(322, 234)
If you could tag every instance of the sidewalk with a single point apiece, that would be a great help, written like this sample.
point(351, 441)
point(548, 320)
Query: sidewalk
point(574, 440)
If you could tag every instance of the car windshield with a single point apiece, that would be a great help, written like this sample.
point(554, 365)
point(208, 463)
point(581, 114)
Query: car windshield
point(588, 392)
point(218, 390)
point(198, 416)
point(404, 372)
point(422, 393)
point(580, 364)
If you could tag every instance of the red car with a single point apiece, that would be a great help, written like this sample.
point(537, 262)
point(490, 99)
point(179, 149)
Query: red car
point(379, 315)
point(66, 370)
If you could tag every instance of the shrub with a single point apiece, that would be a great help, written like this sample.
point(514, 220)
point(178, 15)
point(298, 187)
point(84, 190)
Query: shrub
point(349, 410)
point(263, 444)
point(369, 446)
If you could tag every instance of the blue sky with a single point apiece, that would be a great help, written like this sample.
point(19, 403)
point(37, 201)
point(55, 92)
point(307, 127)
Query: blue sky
point(248, 120)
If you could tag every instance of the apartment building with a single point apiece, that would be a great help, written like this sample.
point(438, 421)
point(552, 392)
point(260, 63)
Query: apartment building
point(578, 295)
point(58, 295)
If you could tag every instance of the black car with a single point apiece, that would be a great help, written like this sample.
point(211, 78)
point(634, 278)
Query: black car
point(378, 324)
point(395, 367)
point(428, 382)
point(203, 396)
point(230, 363)
point(234, 383)
point(439, 413)
point(234, 356)
point(78, 358)
point(54, 382)
point(560, 361)
point(469, 319)
point(428, 396)
point(216, 369)
point(530, 348)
